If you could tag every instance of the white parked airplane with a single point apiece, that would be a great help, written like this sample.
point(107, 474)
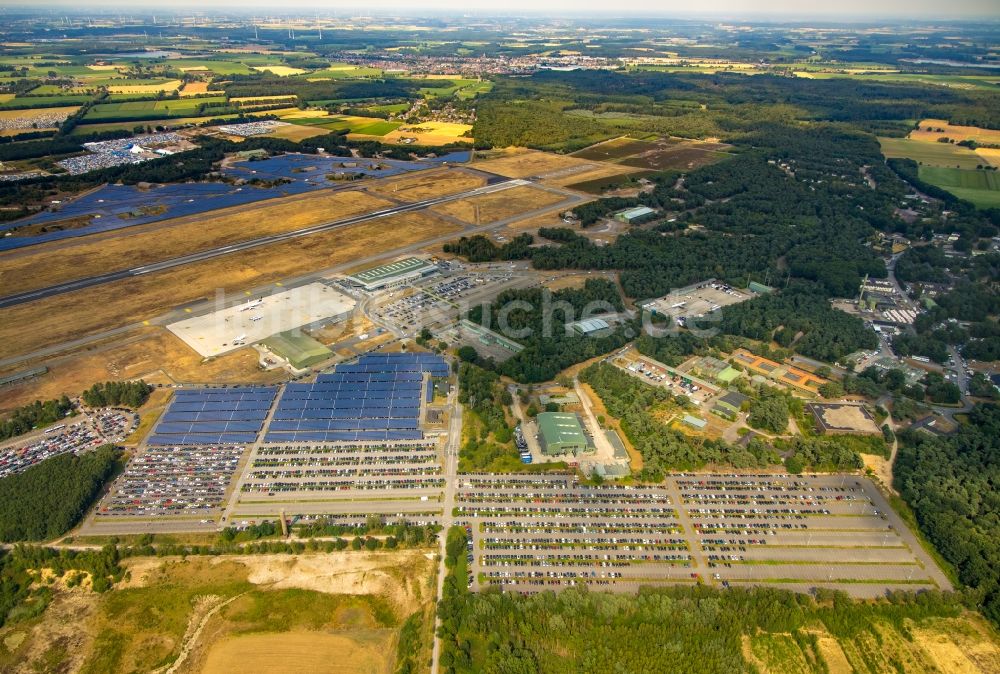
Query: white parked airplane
point(240, 340)
point(256, 318)
point(251, 304)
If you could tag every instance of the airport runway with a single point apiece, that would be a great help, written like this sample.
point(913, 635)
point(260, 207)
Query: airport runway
point(79, 284)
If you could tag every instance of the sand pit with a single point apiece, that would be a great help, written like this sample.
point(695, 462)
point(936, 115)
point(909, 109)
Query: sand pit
point(399, 577)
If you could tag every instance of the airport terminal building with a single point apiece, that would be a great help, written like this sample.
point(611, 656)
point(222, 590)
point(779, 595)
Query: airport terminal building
point(392, 274)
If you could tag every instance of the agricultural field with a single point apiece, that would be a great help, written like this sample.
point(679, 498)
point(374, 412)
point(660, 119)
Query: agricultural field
point(26, 102)
point(35, 118)
point(86, 312)
point(342, 71)
point(281, 71)
point(427, 133)
point(367, 126)
point(930, 153)
point(197, 89)
point(930, 130)
point(48, 264)
point(982, 188)
point(142, 110)
point(278, 614)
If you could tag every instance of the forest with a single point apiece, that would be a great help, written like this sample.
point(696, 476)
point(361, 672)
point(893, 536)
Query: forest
point(951, 485)
point(657, 630)
point(34, 415)
point(799, 318)
point(544, 110)
point(117, 393)
point(51, 497)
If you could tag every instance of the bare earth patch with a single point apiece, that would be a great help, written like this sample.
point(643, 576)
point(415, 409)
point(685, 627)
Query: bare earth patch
point(305, 651)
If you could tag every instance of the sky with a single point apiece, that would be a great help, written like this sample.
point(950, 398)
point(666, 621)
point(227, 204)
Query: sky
point(843, 9)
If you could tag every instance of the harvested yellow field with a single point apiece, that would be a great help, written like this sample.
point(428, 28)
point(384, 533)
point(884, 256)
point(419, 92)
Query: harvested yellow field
point(153, 354)
point(281, 71)
point(297, 132)
point(198, 89)
point(103, 68)
point(305, 651)
point(928, 131)
point(6, 97)
point(426, 184)
point(77, 314)
point(990, 154)
point(172, 85)
point(28, 115)
point(15, 132)
point(499, 205)
point(48, 264)
point(431, 133)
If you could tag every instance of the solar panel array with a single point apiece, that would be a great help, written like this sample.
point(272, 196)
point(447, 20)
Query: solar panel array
point(377, 398)
point(214, 416)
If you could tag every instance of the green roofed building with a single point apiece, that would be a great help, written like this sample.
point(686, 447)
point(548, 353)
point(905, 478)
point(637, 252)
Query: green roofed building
point(299, 349)
point(560, 433)
point(392, 274)
point(635, 215)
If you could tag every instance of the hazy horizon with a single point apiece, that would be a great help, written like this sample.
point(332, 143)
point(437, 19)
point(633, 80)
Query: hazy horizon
point(846, 10)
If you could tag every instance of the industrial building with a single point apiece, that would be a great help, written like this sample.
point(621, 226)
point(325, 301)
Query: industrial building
point(591, 327)
point(392, 274)
point(729, 405)
point(299, 349)
point(636, 215)
point(560, 433)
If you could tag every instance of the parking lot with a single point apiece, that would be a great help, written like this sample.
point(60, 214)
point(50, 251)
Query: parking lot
point(438, 302)
point(173, 481)
point(698, 300)
point(535, 533)
point(77, 434)
point(304, 480)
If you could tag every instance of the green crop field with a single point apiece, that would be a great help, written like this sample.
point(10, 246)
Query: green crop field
point(982, 188)
point(944, 155)
point(32, 101)
point(342, 73)
point(183, 107)
point(217, 66)
point(369, 126)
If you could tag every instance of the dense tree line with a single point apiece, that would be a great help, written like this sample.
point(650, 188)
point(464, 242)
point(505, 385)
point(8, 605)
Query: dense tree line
point(118, 393)
point(799, 317)
point(50, 498)
point(951, 485)
point(481, 391)
point(479, 248)
point(658, 630)
point(38, 413)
